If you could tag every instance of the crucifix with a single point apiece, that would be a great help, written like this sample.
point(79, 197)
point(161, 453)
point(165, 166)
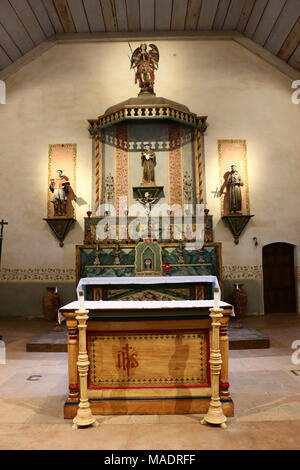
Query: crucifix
point(2, 223)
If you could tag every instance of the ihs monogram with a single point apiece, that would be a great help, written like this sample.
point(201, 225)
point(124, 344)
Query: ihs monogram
point(127, 359)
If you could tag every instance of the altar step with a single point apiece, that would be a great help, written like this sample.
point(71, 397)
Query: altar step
point(243, 338)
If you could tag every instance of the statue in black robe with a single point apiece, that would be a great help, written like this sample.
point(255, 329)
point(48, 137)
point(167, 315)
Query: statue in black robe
point(234, 183)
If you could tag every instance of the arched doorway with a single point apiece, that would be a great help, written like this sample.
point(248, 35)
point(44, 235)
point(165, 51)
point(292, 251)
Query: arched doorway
point(279, 278)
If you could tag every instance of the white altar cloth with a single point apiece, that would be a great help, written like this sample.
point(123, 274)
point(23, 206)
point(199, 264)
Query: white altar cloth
point(139, 305)
point(147, 280)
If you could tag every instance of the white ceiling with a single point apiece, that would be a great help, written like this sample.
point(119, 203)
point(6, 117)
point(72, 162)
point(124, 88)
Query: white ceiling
point(274, 24)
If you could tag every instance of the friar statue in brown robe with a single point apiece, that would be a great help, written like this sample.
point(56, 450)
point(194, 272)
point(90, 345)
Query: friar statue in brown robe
point(235, 182)
point(148, 163)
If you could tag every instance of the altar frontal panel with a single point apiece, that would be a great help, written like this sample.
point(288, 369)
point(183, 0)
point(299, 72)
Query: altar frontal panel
point(156, 359)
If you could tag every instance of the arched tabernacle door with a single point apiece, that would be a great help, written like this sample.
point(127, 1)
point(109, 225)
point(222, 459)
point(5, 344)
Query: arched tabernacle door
point(279, 278)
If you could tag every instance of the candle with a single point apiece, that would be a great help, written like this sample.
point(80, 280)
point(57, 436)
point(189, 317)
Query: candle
point(81, 300)
point(167, 268)
point(216, 298)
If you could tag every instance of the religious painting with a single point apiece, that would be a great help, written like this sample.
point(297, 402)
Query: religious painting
point(233, 175)
point(61, 180)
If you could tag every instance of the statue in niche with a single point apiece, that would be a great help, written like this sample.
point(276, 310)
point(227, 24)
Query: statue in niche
point(59, 186)
point(148, 162)
point(234, 182)
point(145, 62)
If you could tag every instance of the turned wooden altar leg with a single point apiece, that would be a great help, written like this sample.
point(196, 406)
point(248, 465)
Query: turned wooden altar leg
point(224, 349)
point(72, 359)
point(215, 413)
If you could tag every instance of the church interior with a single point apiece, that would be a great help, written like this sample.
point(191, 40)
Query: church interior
point(149, 230)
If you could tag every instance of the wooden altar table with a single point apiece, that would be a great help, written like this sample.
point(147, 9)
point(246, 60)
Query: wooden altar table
point(148, 357)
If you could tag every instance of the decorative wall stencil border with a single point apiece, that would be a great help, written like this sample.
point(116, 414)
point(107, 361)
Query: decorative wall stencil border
point(175, 166)
point(240, 273)
point(244, 173)
point(37, 275)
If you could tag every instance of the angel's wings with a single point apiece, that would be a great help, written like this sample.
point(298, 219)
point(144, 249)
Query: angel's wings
point(135, 57)
point(154, 53)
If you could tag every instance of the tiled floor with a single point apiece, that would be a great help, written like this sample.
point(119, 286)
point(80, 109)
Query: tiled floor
point(265, 390)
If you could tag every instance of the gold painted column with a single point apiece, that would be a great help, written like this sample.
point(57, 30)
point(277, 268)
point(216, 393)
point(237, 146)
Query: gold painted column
point(199, 167)
point(98, 170)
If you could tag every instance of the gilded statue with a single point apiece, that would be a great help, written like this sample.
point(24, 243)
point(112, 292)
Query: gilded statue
point(234, 182)
point(145, 63)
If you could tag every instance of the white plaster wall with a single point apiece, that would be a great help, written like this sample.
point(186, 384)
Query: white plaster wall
point(51, 98)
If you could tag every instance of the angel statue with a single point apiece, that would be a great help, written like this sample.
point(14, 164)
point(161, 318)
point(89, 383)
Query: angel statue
point(145, 63)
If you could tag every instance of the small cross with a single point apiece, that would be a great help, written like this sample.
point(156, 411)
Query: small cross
point(2, 223)
point(216, 193)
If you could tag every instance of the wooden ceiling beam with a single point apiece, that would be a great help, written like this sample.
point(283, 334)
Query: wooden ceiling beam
point(291, 43)
point(192, 14)
point(65, 15)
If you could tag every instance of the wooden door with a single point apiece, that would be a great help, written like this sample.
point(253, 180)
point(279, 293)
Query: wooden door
point(279, 278)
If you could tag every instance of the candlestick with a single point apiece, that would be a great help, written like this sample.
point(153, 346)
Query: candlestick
point(84, 416)
point(81, 300)
point(216, 298)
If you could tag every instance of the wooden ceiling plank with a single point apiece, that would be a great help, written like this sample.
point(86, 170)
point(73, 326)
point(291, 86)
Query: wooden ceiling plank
point(283, 26)
point(29, 21)
point(14, 27)
point(233, 14)
point(147, 12)
point(53, 16)
point(133, 15)
point(4, 59)
point(295, 59)
point(207, 14)
point(268, 19)
point(291, 43)
point(192, 14)
point(255, 17)
point(163, 14)
point(65, 16)
point(41, 14)
point(245, 15)
point(110, 19)
point(121, 13)
point(79, 17)
point(94, 15)
point(221, 14)
point(8, 45)
point(178, 15)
